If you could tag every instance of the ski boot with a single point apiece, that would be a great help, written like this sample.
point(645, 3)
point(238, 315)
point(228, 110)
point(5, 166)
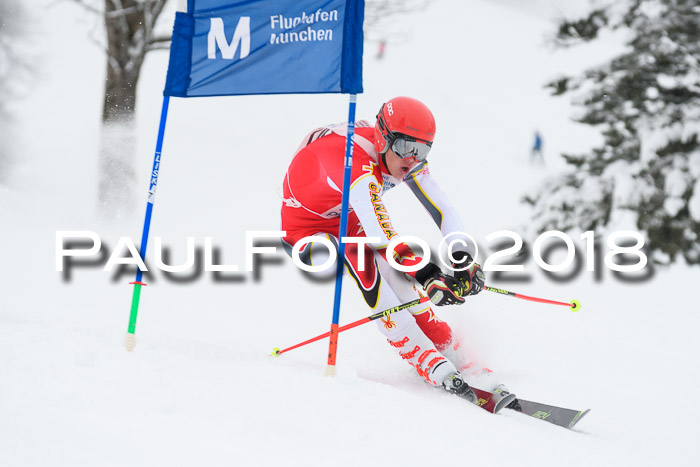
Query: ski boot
point(456, 385)
point(503, 391)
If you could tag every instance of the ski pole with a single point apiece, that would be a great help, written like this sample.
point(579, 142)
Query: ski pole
point(276, 352)
point(575, 305)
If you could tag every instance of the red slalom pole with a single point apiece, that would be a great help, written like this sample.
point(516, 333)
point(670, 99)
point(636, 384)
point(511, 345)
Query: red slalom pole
point(575, 305)
point(277, 351)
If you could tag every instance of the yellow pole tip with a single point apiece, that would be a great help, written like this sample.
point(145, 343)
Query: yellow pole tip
point(276, 352)
point(575, 305)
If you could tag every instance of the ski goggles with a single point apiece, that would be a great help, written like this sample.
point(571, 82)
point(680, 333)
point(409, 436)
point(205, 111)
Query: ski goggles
point(406, 147)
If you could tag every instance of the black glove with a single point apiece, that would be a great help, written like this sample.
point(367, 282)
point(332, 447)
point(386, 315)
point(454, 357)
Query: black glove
point(439, 287)
point(469, 281)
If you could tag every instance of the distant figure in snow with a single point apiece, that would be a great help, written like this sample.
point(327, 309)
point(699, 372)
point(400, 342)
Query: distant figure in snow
point(392, 151)
point(536, 153)
point(381, 49)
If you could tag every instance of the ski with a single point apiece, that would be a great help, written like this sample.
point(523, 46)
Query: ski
point(567, 418)
point(496, 401)
point(559, 416)
point(491, 402)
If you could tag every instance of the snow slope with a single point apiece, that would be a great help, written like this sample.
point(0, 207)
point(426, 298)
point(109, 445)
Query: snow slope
point(200, 388)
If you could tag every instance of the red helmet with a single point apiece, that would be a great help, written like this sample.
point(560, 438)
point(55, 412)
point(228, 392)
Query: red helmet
point(403, 116)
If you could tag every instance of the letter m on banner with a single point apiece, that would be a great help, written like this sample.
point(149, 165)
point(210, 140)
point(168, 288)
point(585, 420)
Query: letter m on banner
point(223, 48)
point(217, 38)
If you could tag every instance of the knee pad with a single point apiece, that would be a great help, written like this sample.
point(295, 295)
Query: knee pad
point(437, 330)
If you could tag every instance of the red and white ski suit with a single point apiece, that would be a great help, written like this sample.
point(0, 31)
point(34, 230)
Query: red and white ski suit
point(312, 204)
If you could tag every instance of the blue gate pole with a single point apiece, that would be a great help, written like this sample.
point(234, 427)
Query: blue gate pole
point(347, 175)
point(130, 340)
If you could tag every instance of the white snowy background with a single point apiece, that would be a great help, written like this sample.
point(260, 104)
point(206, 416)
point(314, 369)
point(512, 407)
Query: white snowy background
point(201, 389)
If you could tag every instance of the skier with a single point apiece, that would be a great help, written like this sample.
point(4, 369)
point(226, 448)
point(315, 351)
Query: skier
point(392, 151)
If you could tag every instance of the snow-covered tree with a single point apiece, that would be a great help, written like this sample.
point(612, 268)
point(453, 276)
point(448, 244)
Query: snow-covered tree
point(385, 22)
point(381, 16)
point(130, 34)
point(14, 71)
point(646, 104)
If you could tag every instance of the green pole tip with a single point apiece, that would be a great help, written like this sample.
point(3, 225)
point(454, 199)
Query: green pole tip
point(575, 305)
point(276, 352)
